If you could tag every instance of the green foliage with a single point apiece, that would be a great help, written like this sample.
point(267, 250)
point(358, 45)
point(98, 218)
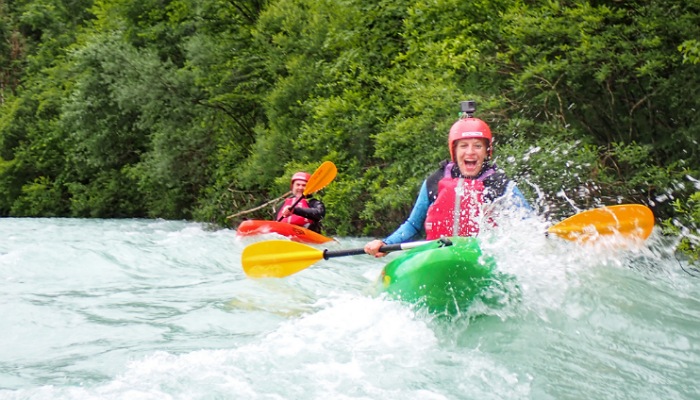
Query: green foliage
point(102, 142)
point(190, 109)
point(107, 195)
point(576, 69)
point(691, 51)
point(340, 201)
point(12, 54)
point(686, 226)
point(39, 199)
point(11, 182)
point(30, 137)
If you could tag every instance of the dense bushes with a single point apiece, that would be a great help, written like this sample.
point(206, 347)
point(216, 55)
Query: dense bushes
point(178, 109)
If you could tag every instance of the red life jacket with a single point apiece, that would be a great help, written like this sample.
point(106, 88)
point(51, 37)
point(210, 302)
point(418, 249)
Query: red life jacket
point(456, 210)
point(293, 218)
point(442, 216)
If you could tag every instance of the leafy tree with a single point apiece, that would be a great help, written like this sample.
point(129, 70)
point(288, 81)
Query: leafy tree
point(188, 109)
point(31, 141)
point(12, 53)
point(686, 226)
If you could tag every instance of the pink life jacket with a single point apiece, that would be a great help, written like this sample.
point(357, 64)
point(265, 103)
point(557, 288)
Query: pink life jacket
point(293, 218)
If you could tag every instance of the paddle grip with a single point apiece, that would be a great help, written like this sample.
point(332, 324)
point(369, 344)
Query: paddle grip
point(293, 205)
point(353, 252)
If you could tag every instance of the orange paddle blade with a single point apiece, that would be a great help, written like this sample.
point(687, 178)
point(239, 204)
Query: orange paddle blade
point(630, 220)
point(323, 175)
point(278, 258)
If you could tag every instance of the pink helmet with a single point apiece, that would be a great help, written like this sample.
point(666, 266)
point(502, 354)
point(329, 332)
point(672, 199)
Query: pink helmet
point(300, 176)
point(466, 128)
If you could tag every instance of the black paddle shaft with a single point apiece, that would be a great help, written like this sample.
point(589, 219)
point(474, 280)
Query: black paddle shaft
point(384, 249)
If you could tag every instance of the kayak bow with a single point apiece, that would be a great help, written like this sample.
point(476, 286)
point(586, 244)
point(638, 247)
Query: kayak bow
point(446, 276)
point(296, 233)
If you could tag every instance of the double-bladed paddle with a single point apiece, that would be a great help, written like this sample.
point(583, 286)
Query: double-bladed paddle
point(323, 175)
point(280, 258)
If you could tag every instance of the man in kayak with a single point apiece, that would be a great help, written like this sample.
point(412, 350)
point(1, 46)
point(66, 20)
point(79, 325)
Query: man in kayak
point(452, 200)
point(308, 212)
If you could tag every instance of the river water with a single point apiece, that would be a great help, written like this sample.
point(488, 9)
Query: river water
point(151, 309)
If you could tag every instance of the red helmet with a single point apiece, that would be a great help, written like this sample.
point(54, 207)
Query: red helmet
point(466, 128)
point(300, 176)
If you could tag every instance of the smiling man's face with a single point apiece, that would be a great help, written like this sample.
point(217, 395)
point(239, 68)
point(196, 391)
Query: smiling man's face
point(298, 187)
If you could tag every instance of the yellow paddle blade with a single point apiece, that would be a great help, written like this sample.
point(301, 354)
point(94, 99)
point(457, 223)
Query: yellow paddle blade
point(630, 220)
point(323, 175)
point(278, 258)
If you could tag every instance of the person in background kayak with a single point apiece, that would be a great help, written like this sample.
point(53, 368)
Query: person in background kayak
point(308, 212)
point(452, 199)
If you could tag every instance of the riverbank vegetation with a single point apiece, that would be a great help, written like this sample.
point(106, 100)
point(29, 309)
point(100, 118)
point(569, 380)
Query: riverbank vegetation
point(186, 109)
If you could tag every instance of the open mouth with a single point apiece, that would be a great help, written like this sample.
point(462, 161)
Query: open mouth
point(470, 163)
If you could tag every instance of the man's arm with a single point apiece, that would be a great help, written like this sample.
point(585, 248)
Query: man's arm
point(315, 212)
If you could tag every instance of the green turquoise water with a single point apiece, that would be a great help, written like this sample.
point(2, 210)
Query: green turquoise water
point(147, 309)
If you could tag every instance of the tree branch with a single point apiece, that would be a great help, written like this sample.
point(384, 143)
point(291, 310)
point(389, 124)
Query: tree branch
point(259, 207)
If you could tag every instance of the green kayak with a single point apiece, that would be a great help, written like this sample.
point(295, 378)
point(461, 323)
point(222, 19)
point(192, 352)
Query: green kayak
point(446, 276)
